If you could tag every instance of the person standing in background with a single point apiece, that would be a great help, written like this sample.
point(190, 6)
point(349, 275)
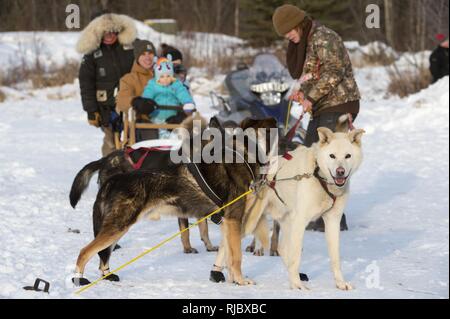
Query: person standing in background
point(318, 60)
point(439, 59)
point(106, 44)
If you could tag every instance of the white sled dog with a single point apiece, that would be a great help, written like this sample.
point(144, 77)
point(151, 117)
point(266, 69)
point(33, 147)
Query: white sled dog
point(310, 183)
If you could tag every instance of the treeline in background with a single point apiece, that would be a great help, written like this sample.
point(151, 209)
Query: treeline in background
point(406, 25)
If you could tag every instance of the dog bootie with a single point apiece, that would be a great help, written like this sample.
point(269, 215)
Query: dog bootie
point(80, 281)
point(112, 277)
point(344, 226)
point(216, 276)
point(303, 277)
point(319, 225)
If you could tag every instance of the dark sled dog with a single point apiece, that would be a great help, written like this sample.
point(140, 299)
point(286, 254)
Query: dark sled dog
point(125, 198)
point(118, 163)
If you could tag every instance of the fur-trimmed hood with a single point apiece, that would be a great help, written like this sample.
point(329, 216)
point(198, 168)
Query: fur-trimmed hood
point(92, 35)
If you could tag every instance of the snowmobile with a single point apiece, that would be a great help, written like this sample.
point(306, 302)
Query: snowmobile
point(259, 91)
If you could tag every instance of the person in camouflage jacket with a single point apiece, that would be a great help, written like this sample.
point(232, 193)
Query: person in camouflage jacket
point(319, 61)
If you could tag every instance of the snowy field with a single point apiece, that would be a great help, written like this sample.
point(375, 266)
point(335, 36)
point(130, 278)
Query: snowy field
point(397, 246)
point(398, 213)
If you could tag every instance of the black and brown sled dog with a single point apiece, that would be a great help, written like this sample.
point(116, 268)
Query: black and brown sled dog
point(119, 163)
point(126, 198)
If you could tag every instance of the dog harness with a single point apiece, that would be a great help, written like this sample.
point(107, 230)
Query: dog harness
point(207, 189)
point(194, 170)
point(146, 151)
point(323, 182)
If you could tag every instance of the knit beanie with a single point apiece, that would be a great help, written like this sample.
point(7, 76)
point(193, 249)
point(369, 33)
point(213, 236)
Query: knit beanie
point(163, 66)
point(142, 46)
point(286, 18)
point(440, 37)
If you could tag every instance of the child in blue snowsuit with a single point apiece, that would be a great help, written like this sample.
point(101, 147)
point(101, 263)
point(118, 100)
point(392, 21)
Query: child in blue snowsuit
point(165, 90)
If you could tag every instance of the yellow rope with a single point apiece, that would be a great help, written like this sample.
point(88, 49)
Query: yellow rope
point(162, 243)
point(288, 116)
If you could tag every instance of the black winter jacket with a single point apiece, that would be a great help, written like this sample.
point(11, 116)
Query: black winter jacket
point(100, 74)
point(439, 63)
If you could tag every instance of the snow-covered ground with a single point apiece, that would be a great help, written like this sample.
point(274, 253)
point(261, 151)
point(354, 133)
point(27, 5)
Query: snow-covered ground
point(397, 245)
point(398, 213)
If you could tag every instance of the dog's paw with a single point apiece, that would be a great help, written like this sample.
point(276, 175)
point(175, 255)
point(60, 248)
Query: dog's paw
point(79, 282)
point(258, 252)
point(112, 277)
point(250, 249)
point(299, 285)
point(244, 282)
point(216, 276)
point(342, 285)
point(190, 251)
point(212, 248)
point(274, 253)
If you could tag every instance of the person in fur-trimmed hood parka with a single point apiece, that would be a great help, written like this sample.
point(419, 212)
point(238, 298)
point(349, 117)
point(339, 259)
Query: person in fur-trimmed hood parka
point(106, 44)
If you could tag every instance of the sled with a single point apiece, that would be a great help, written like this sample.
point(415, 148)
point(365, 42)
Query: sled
point(130, 125)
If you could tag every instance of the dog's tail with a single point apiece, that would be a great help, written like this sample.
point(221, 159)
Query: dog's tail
point(81, 181)
point(343, 124)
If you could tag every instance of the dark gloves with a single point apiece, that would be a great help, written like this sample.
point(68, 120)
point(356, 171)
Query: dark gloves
point(94, 119)
point(177, 119)
point(116, 121)
point(143, 106)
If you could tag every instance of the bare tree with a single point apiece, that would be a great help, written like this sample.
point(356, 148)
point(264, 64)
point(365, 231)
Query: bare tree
point(388, 20)
point(236, 18)
point(406, 24)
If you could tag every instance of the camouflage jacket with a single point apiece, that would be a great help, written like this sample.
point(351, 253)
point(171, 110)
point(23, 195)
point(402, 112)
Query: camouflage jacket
point(327, 79)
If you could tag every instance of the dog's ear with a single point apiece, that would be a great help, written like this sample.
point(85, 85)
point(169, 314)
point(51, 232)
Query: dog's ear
point(269, 122)
point(355, 136)
point(325, 135)
point(214, 122)
point(230, 124)
point(248, 122)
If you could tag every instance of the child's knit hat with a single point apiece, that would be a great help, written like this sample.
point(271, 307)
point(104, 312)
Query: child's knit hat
point(163, 66)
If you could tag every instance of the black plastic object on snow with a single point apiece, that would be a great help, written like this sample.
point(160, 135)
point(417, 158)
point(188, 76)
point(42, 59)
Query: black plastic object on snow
point(36, 286)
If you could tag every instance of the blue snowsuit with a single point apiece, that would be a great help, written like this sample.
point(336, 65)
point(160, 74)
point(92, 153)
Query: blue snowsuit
point(173, 95)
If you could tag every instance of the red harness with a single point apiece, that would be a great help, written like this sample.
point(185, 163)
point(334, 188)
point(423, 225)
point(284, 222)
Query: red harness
point(140, 162)
point(322, 182)
point(290, 135)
